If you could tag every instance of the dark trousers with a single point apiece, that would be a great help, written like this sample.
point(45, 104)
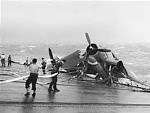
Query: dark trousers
point(53, 83)
point(32, 79)
point(9, 63)
point(43, 69)
point(3, 62)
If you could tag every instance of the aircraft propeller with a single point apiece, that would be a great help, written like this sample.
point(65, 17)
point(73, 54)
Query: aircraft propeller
point(88, 38)
point(92, 48)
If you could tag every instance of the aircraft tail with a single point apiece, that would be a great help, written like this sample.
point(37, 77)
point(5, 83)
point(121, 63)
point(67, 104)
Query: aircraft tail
point(72, 60)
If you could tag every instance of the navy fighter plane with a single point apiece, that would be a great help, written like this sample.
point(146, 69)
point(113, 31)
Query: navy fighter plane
point(101, 65)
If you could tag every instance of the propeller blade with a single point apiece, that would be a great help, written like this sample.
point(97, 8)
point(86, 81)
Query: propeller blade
point(88, 38)
point(104, 50)
point(50, 54)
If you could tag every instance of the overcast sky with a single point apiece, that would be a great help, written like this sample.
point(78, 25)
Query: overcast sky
point(35, 21)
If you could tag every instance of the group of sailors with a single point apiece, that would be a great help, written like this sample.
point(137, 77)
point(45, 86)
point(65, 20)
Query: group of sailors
point(3, 60)
point(43, 64)
point(34, 70)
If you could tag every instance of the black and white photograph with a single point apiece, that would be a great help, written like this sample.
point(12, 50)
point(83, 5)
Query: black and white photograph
point(74, 56)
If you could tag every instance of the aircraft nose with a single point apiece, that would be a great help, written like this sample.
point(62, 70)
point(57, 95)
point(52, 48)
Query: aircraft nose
point(91, 49)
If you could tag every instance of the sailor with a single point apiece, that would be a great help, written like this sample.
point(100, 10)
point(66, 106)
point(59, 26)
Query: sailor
point(55, 69)
point(34, 69)
point(27, 61)
point(43, 65)
point(9, 60)
point(3, 60)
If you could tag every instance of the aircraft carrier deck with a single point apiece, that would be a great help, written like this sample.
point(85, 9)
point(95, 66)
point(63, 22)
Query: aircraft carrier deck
point(74, 97)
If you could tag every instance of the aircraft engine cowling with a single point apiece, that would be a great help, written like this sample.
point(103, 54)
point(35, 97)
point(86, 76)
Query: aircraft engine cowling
point(113, 62)
point(97, 67)
point(92, 49)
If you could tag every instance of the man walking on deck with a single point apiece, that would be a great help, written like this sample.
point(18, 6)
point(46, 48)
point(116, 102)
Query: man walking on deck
point(34, 69)
point(9, 60)
point(3, 60)
point(55, 69)
point(43, 65)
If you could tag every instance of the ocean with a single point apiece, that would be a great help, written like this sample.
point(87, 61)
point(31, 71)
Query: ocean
point(136, 56)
